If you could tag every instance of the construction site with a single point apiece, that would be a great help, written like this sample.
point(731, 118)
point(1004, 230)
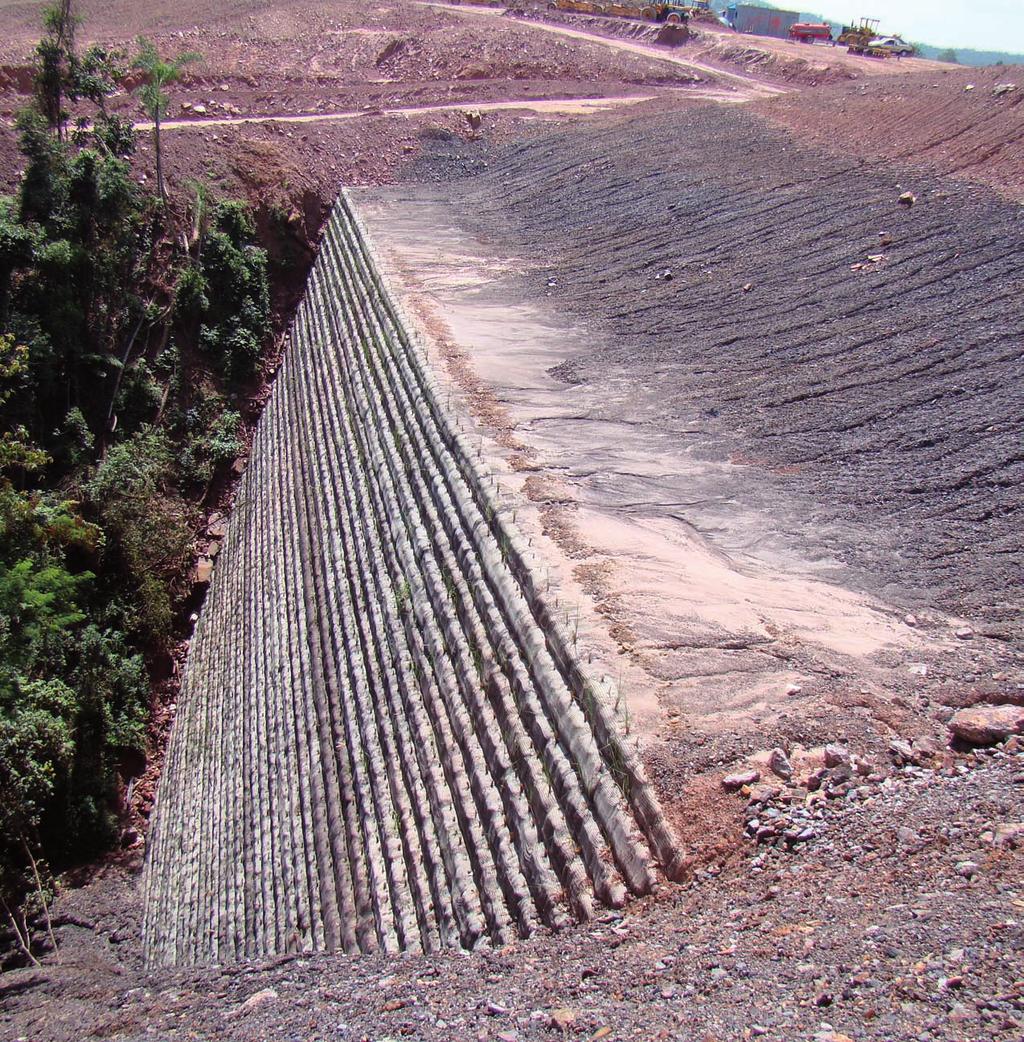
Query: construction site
point(614, 630)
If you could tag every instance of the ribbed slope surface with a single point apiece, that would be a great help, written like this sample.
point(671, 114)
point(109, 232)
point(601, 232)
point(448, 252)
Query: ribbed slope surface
point(384, 741)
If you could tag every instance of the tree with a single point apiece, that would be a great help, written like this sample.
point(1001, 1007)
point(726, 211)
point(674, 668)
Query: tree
point(159, 74)
point(56, 71)
point(948, 55)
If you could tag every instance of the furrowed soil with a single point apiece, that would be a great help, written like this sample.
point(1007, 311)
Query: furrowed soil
point(762, 418)
point(856, 353)
point(959, 122)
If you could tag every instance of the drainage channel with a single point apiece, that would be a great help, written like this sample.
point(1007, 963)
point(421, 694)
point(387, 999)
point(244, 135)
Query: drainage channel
point(385, 741)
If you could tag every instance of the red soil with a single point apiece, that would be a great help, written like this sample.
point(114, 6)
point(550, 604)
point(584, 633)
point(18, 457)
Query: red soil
point(955, 121)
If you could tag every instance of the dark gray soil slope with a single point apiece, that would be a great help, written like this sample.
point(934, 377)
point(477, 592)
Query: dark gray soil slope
point(887, 391)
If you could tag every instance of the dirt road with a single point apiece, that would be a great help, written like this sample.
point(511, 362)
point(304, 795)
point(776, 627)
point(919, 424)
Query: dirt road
point(752, 88)
point(547, 106)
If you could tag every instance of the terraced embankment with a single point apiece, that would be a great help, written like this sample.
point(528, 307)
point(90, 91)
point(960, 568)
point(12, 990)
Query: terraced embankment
point(384, 739)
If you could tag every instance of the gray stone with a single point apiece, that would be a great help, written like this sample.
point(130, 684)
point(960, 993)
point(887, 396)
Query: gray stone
point(1009, 834)
point(906, 837)
point(778, 763)
point(901, 751)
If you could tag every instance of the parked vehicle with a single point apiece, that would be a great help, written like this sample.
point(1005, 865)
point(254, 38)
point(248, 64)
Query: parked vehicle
point(858, 37)
point(893, 45)
point(761, 21)
point(808, 32)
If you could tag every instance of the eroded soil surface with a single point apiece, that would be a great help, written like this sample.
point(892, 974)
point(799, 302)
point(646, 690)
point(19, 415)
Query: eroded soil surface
point(803, 389)
point(855, 352)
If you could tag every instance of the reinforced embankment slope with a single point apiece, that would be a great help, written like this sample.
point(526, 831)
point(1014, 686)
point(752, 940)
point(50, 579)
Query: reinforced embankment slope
point(384, 740)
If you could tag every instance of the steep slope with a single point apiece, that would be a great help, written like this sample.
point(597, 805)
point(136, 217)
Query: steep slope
point(857, 355)
point(384, 739)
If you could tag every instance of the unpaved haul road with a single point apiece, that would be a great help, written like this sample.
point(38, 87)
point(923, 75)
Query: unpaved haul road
point(753, 88)
point(551, 106)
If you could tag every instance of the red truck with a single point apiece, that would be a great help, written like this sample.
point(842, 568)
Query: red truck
point(808, 32)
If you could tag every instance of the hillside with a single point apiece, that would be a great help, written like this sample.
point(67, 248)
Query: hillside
point(531, 522)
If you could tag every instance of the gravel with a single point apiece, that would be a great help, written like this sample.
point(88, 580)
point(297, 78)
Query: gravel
point(901, 917)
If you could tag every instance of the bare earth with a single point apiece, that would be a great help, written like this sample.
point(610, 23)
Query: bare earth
point(775, 483)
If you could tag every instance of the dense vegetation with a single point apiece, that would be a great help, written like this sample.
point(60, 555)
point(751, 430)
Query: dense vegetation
point(129, 324)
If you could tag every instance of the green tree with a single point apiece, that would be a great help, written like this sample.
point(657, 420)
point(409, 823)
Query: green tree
point(72, 700)
point(56, 64)
point(111, 424)
point(159, 73)
point(948, 55)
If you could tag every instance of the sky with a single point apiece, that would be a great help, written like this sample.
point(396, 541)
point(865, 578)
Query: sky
point(985, 25)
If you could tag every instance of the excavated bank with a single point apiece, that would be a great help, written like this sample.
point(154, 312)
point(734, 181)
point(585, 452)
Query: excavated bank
point(384, 740)
point(783, 310)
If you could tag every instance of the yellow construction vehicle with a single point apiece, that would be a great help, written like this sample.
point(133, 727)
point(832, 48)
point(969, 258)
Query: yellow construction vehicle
point(857, 38)
point(675, 12)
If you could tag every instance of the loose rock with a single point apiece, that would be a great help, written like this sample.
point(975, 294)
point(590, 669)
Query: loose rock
point(836, 754)
point(1009, 835)
point(260, 998)
point(732, 782)
point(986, 725)
point(778, 763)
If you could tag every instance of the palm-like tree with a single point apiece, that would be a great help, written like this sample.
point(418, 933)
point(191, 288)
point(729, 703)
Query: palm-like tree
point(159, 73)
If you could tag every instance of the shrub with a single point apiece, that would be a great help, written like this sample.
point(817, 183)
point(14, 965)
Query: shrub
point(138, 398)
point(209, 444)
point(147, 524)
point(230, 295)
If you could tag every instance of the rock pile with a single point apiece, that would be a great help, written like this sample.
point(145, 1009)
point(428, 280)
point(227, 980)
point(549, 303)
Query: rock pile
point(794, 808)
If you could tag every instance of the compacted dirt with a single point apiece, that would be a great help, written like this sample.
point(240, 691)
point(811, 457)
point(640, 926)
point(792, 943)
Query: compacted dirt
point(901, 919)
point(746, 294)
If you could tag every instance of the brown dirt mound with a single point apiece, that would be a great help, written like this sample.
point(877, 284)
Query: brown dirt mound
point(961, 122)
